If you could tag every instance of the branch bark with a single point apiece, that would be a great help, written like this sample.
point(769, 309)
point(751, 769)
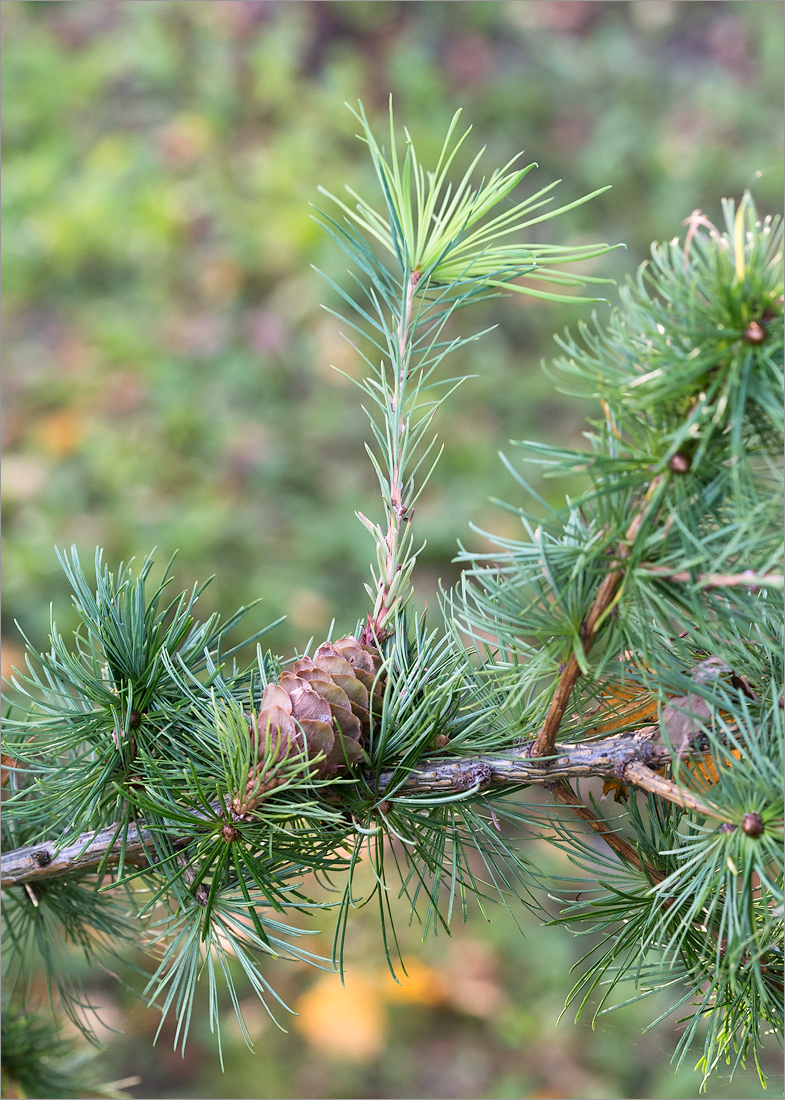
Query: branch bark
point(638, 774)
point(748, 579)
point(626, 757)
point(88, 852)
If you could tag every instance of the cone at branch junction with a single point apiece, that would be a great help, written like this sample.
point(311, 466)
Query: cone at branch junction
point(320, 709)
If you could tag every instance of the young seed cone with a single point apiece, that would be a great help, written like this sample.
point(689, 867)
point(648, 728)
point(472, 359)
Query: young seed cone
point(320, 709)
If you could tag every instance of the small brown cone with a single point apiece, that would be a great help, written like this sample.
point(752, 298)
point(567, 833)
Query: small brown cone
point(322, 706)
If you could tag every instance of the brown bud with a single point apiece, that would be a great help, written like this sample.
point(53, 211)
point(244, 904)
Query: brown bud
point(442, 741)
point(42, 857)
point(752, 824)
point(134, 720)
point(754, 333)
point(680, 463)
point(384, 807)
point(229, 833)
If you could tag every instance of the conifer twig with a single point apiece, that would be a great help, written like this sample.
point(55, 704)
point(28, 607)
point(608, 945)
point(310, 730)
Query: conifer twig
point(746, 579)
point(565, 794)
point(398, 511)
point(546, 738)
point(640, 775)
point(624, 757)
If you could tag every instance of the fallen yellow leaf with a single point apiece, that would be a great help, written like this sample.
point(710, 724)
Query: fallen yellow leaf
point(420, 985)
point(60, 433)
point(346, 1022)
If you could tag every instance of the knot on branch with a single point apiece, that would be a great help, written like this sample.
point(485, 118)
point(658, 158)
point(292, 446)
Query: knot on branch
point(477, 775)
point(649, 749)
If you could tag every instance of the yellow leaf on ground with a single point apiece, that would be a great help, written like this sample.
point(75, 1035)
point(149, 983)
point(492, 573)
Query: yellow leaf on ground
point(420, 985)
point(60, 433)
point(344, 1022)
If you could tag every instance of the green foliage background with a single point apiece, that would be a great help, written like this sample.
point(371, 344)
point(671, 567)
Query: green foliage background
point(167, 366)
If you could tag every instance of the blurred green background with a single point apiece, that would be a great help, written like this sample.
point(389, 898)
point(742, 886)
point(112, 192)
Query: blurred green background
point(167, 378)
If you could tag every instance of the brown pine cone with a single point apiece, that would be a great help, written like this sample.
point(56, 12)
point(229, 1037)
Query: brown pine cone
point(321, 706)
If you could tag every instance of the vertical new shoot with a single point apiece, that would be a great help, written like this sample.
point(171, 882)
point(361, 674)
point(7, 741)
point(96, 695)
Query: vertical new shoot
point(432, 246)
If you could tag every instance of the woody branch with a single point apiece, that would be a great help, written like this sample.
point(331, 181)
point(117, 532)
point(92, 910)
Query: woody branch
point(626, 757)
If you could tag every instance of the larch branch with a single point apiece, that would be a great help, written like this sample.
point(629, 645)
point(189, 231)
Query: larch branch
point(626, 757)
